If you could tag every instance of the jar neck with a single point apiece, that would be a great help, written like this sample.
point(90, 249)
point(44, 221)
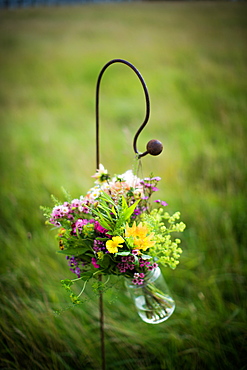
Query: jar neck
point(150, 277)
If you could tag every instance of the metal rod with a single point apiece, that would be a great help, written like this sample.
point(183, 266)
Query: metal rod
point(102, 333)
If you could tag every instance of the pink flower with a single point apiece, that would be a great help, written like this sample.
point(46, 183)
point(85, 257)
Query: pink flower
point(94, 263)
point(99, 228)
point(78, 225)
point(161, 202)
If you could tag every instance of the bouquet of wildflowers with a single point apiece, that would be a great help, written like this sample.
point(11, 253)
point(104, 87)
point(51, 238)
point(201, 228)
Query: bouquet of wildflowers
point(113, 230)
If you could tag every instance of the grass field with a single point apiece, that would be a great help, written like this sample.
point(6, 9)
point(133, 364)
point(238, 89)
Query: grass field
point(193, 59)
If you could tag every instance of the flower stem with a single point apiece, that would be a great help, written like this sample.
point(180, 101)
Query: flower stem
point(83, 288)
point(157, 307)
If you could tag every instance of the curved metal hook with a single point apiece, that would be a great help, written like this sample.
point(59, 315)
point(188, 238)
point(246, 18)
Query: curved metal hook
point(154, 147)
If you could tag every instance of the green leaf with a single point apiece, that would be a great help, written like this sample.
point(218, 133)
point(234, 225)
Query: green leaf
point(86, 275)
point(105, 196)
point(105, 208)
point(105, 225)
point(114, 211)
point(124, 203)
point(128, 212)
point(105, 262)
point(90, 254)
point(123, 253)
point(146, 257)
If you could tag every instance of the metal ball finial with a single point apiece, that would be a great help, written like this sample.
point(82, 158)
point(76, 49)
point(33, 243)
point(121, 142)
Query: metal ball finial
point(154, 147)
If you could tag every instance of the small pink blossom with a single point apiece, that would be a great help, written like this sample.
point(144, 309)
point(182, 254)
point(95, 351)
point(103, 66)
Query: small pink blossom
point(161, 202)
point(94, 263)
point(99, 228)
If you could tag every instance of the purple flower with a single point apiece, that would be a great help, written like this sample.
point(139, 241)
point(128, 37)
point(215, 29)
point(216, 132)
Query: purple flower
point(131, 258)
point(135, 252)
point(145, 198)
point(78, 225)
point(76, 203)
point(156, 178)
point(154, 188)
point(137, 211)
point(135, 281)
point(161, 202)
point(138, 278)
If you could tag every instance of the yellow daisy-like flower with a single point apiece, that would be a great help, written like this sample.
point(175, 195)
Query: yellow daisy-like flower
point(139, 234)
point(115, 243)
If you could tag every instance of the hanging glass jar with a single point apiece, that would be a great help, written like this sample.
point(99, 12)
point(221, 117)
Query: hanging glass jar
point(152, 298)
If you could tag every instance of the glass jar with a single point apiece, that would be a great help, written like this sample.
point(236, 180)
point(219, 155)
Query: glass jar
point(152, 298)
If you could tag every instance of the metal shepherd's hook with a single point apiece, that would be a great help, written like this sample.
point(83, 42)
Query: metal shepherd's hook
point(154, 147)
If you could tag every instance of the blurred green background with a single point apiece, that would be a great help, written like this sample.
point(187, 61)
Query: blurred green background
point(193, 59)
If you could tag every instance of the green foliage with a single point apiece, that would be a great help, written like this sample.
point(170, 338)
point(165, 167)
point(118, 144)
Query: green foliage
point(111, 216)
point(193, 58)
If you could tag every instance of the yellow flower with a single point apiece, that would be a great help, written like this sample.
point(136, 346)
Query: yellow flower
point(136, 231)
point(140, 238)
point(130, 231)
point(144, 243)
point(141, 231)
point(113, 244)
